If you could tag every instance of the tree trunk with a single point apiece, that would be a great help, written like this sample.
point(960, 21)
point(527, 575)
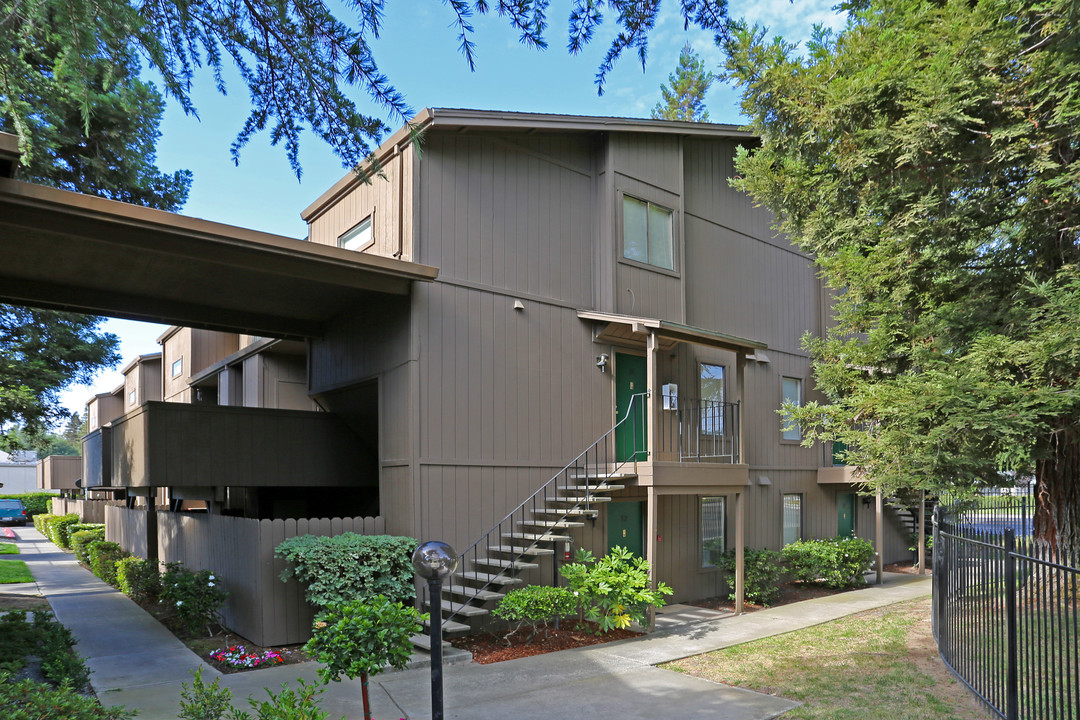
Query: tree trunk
point(364, 692)
point(1057, 491)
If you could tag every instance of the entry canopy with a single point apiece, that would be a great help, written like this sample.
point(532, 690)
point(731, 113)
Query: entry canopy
point(67, 251)
point(633, 331)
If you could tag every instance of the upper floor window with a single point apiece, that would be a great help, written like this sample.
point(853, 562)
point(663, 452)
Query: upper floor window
point(792, 393)
point(358, 237)
point(647, 233)
point(178, 366)
point(712, 399)
point(132, 397)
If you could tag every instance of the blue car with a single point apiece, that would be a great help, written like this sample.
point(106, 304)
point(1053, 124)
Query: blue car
point(12, 512)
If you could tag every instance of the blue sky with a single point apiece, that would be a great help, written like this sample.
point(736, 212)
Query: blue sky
point(419, 51)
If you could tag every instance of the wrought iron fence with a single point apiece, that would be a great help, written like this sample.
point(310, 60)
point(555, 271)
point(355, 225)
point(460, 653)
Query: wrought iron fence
point(1006, 609)
point(699, 431)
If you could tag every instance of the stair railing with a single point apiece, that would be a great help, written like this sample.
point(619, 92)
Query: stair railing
point(590, 469)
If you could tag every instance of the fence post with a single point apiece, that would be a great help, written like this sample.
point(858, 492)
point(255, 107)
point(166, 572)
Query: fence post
point(1011, 681)
point(937, 576)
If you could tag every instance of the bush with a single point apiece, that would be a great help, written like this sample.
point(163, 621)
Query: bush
point(35, 503)
point(80, 541)
point(139, 579)
point(60, 530)
point(763, 569)
point(29, 700)
point(336, 570)
point(202, 701)
point(45, 638)
point(103, 558)
point(614, 590)
point(835, 563)
point(535, 606)
point(195, 596)
point(16, 638)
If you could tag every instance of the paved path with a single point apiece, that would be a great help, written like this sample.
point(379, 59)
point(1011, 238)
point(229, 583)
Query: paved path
point(137, 663)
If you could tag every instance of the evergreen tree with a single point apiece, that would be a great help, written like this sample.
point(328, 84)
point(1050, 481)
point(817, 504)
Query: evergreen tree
point(926, 155)
point(296, 58)
point(683, 98)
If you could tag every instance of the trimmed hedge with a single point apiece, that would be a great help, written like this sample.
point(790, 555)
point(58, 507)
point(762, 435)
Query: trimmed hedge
point(336, 570)
point(763, 570)
point(81, 539)
point(29, 700)
point(103, 558)
point(838, 562)
point(139, 579)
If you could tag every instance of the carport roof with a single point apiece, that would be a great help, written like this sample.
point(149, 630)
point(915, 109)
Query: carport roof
point(67, 251)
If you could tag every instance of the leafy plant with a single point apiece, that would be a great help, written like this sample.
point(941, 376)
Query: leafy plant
point(46, 638)
point(835, 563)
point(362, 637)
point(103, 558)
point(60, 530)
point(202, 701)
point(289, 704)
point(139, 579)
point(195, 596)
point(336, 570)
point(29, 700)
point(80, 541)
point(535, 606)
point(613, 590)
point(16, 635)
point(762, 569)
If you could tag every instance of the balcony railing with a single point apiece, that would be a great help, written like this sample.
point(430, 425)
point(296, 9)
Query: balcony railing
point(699, 431)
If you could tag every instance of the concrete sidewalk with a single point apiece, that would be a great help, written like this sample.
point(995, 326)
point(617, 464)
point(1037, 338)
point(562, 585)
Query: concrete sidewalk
point(139, 664)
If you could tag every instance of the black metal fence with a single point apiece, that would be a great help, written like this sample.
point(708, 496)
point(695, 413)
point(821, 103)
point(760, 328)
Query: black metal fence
point(1006, 609)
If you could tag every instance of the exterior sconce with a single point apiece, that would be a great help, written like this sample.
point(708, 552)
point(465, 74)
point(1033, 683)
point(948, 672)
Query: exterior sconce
point(602, 362)
point(867, 501)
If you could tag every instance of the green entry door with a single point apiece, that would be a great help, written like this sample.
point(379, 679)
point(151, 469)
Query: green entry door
point(626, 526)
point(845, 514)
point(629, 381)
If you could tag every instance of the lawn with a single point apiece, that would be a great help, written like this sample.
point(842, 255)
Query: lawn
point(9, 549)
point(14, 571)
point(881, 664)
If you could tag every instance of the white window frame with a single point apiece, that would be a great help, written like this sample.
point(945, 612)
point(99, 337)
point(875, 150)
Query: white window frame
point(673, 235)
point(717, 534)
point(132, 397)
point(360, 236)
point(789, 431)
point(177, 367)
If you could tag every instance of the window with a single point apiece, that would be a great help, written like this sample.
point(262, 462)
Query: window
point(647, 233)
point(178, 366)
point(713, 530)
point(358, 238)
point(792, 393)
point(792, 518)
point(712, 399)
point(131, 397)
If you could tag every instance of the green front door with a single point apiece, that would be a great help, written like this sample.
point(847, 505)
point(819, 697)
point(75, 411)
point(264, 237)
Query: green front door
point(845, 514)
point(630, 381)
point(626, 526)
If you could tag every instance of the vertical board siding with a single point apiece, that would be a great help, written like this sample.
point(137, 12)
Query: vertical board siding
point(240, 552)
point(126, 528)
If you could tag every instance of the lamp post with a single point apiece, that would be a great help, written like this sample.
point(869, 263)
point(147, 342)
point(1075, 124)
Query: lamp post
point(433, 561)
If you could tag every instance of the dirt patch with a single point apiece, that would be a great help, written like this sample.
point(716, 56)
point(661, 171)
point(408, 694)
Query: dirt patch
point(924, 653)
point(29, 603)
point(488, 648)
point(790, 592)
point(906, 568)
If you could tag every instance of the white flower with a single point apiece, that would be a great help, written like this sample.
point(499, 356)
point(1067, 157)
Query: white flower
point(210, 584)
point(212, 577)
point(179, 603)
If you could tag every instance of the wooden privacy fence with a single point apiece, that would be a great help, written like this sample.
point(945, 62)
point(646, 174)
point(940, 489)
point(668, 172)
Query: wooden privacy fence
point(126, 528)
point(240, 553)
point(89, 511)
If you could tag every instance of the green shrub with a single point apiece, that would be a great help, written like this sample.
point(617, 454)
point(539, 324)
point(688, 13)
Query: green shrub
point(16, 636)
point(763, 569)
point(43, 522)
point(29, 700)
point(202, 701)
point(613, 590)
point(45, 638)
point(535, 606)
point(835, 563)
point(35, 503)
point(289, 704)
point(103, 558)
point(60, 530)
point(336, 570)
point(81, 539)
point(139, 579)
point(195, 596)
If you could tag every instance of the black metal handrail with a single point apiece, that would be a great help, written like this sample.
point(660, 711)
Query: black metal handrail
point(1006, 613)
point(592, 464)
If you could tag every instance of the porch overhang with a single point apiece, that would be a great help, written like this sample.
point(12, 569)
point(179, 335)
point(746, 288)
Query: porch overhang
point(631, 331)
point(68, 251)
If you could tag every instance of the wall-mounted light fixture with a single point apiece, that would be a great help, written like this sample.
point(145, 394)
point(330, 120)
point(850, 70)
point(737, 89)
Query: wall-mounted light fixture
point(518, 305)
point(867, 501)
point(602, 362)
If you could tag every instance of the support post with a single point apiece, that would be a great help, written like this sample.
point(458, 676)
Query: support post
point(151, 528)
point(435, 593)
point(879, 537)
point(1012, 710)
point(740, 386)
point(652, 375)
point(740, 544)
point(651, 546)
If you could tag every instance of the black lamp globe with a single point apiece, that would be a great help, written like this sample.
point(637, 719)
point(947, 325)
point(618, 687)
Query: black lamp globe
point(434, 560)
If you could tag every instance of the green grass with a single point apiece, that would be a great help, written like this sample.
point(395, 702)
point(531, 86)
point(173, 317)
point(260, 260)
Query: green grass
point(9, 549)
point(14, 571)
point(877, 665)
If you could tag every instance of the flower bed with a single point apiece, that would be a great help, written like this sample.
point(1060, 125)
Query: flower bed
point(237, 657)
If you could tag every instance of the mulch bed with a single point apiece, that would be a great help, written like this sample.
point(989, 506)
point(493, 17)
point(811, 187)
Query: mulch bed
point(487, 648)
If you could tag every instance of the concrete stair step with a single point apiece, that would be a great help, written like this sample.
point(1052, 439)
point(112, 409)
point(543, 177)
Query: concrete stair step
point(551, 525)
point(568, 512)
point(578, 498)
point(603, 476)
point(471, 593)
point(450, 627)
point(521, 549)
point(424, 642)
point(488, 578)
point(583, 489)
point(535, 537)
point(505, 564)
point(449, 607)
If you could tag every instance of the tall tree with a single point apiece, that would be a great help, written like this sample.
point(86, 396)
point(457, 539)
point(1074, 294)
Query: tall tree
point(296, 57)
point(683, 98)
point(926, 155)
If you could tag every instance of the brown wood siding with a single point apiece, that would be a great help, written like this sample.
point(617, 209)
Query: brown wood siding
point(176, 346)
point(172, 444)
point(284, 382)
point(59, 472)
point(378, 198)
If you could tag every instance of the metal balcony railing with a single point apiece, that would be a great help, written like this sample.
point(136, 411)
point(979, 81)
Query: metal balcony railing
point(699, 431)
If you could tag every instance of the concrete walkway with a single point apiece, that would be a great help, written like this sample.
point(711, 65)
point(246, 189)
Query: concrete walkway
point(138, 664)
